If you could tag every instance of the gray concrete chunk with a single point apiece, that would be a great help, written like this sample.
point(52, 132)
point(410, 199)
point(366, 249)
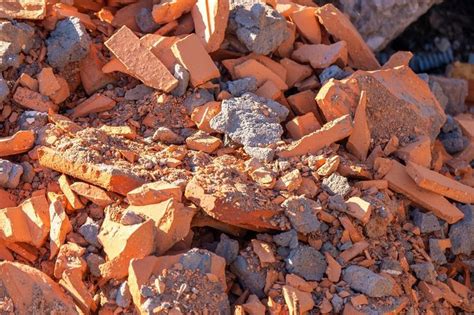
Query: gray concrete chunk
point(427, 222)
point(306, 262)
point(363, 280)
point(10, 174)
point(462, 233)
point(14, 38)
point(241, 86)
point(250, 120)
point(336, 185)
point(301, 212)
point(69, 42)
point(227, 248)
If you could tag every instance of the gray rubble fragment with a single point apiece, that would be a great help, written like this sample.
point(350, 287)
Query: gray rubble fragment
point(336, 185)
point(461, 233)
point(32, 120)
point(307, 262)
point(90, 231)
point(251, 120)
point(10, 174)
point(145, 22)
point(425, 272)
point(241, 86)
point(182, 75)
point(14, 38)
point(332, 72)
point(455, 90)
point(427, 222)
point(227, 248)
point(69, 42)
point(436, 252)
point(287, 239)
point(250, 275)
point(4, 89)
point(124, 297)
point(301, 212)
point(366, 281)
point(258, 26)
point(196, 99)
point(138, 92)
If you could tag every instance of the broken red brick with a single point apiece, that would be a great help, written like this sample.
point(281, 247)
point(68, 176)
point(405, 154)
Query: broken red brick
point(307, 24)
point(399, 181)
point(70, 195)
point(322, 56)
point(193, 56)
point(33, 100)
point(22, 141)
point(269, 90)
point(152, 193)
point(286, 47)
point(466, 122)
point(338, 25)
point(170, 10)
point(60, 226)
point(295, 72)
point(298, 302)
point(48, 83)
point(333, 270)
point(95, 104)
point(302, 125)
point(331, 132)
point(439, 184)
point(210, 22)
point(303, 102)
point(264, 252)
point(71, 281)
point(90, 68)
point(253, 68)
point(359, 141)
point(418, 152)
point(6, 199)
point(359, 209)
point(92, 193)
point(108, 177)
point(27, 81)
point(128, 49)
point(200, 141)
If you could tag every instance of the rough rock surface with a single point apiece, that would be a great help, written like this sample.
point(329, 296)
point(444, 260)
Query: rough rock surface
point(10, 174)
point(69, 42)
point(462, 232)
point(306, 262)
point(259, 27)
point(363, 280)
point(250, 120)
point(301, 212)
point(15, 37)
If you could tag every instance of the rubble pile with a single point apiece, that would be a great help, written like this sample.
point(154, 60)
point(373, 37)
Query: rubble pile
point(226, 156)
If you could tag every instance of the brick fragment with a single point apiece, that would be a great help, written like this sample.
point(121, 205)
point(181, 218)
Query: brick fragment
point(298, 302)
point(263, 251)
point(299, 283)
point(122, 243)
point(418, 152)
point(333, 270)
point(295, 72)
point(171, 220)
point(95, 104)
point(22, 141)
point(60, 226)
point(161, 48)
point(128, 49)
point(440, 184)
point(192, 55)
point(201, 141)
point(286, 47)
point(90, 68)
point(253, 68)
point(71, 281)
point(307, 24)
point(466, 122)
point(70, 195)
point(155, 192)
point(269, 90)
point(322, 56)
point(253, 305)
point(353, 251)
point(63, 10)
point(127, 14)
point(121, 131)
point(210, 22)
point(339, 26)
point(303, 102)
point(399, 181)
point(48, 83)
point(63, 93)
point(400, 58)
point(359, 209)
point(92, 193)
point(359, 141)
point(367, 184)
point(170, 10)
point(33, 100)
point(6, 199)
point(24, 9)
point(27, 81)
point(301, 126)
point(105, 176)
point(331, 132)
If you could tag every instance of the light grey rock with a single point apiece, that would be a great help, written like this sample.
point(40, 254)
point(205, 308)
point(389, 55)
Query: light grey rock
point(249, 274)
point(452, 137)
point(301, 212)
point(336, 185)
point(90, 230)
point(138, 93)
point(241, 86)
point(14, 38)
point(69, 42)
point(259, 27)
point(437, 253)
point(462, 233)
point(332, 72)
point(307, 262)
point(28, 172)
point(10, 174)
point(197, 98)
point(32, 120)
point(182, 75)
point(4, 90)
point(427, 222)
point(93, 262)
point(425, 272)
point(380, 21)
point(287, 239)
point(364, 280)
point(168, 136)
point(455, 90)
point(391, 266)
point(124, 297)
point(227, 248)
point(250, 120)
point(145, 22)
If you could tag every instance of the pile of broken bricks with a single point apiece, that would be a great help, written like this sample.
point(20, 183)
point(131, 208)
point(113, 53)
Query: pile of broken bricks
point(226, 156)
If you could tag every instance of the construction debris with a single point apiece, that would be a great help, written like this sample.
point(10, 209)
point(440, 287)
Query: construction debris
point(226, 157)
